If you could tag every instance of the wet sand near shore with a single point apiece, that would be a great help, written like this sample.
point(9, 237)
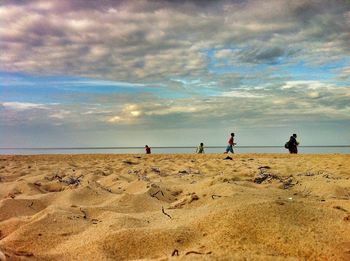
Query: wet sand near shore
point(175, 207)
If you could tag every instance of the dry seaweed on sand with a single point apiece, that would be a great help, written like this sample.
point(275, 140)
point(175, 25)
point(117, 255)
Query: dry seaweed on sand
point(263, 176)
point(61, 178)
point(72, 180)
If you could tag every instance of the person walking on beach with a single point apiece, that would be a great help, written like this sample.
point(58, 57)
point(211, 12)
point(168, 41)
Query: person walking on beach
point(231, 143)
point(293, 144)
point(200, 148)
point(147, 149)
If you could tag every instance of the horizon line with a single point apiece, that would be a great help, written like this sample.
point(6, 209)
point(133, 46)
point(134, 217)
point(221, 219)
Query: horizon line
point(169, 147)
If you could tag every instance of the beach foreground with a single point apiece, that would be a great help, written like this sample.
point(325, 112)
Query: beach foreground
point(177, 207)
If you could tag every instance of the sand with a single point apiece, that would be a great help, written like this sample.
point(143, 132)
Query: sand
point(175, 207)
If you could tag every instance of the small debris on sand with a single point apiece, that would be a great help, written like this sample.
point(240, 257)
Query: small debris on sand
point(154, 195)
point(215, 196)
point(341, 208)
point(264, 167)
point(175, 253)
point(72, 180)
point(84, 212)
point(166, 213)
point(264, 176)
point(156, 170)
point(193, 198)
point(129, 162)
point(23, 253)
point(197, 253)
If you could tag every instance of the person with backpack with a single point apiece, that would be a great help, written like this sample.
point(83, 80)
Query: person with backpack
point(292, 144)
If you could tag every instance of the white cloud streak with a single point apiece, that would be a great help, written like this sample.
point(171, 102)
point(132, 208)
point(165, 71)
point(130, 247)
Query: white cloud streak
point(20, 106)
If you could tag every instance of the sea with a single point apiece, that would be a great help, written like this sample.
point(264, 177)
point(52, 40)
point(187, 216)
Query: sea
point(336, 149)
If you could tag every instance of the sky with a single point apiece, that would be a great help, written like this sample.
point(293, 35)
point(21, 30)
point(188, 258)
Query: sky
point(174, 73)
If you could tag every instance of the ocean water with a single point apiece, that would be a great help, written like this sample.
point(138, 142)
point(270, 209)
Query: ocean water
point(175, 150)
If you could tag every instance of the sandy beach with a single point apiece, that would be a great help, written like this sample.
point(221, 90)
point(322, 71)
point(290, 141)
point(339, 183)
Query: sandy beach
point(175, 207)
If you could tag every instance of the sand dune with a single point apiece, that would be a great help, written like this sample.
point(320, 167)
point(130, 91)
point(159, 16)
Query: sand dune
point(175, 207)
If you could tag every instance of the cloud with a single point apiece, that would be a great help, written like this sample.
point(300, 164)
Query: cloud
point(129, 114)
point(151, 41)
point(311, 85)
point(61, 114)
point(241, 94)
point(115, 119)
point(223, 53)
point(20, 106)
point(173, 110)
point(262, 55)
point(209, 63)
point(314, 94)
point(345, 73)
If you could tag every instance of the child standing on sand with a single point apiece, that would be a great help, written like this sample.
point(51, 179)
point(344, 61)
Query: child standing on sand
point(200, 148)
point(231, 143)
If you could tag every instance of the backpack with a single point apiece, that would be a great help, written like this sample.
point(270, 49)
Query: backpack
point(286, 145)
